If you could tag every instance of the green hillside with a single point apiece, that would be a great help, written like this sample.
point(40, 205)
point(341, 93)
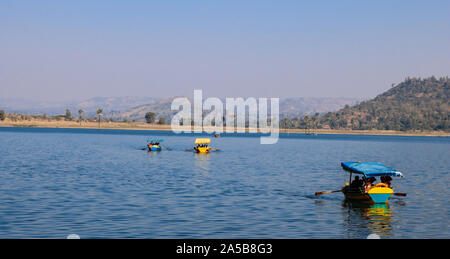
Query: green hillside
point(415, 104)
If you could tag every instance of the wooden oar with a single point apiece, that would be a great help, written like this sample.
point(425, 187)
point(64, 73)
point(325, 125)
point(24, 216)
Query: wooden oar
point(399, 194)
point(320, 193)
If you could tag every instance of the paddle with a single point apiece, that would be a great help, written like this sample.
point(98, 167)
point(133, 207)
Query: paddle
point(399, 194)
point(320, 193)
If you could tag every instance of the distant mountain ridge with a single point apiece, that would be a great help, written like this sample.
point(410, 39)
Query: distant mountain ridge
point(298, 107)
point(134, 108)
point(110, 105)
point(289, 107)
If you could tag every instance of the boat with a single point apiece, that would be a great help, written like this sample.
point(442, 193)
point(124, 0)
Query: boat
point(154, 144)
point(380, 193)
point(202, 145)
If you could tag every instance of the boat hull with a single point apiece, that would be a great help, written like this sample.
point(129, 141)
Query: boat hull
point(358, 197)
point(380, 194)
point(375, 195)
point(154, 148)
point(202, 150)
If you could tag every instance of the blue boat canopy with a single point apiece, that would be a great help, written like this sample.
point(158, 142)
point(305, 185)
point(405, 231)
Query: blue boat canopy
point(370, 169)
point(155, 140)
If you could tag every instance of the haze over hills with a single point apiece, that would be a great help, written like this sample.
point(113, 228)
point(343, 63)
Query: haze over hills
point(289, 107)
point(27, 106)
point(90, 106)
point(134, 108)
point(298, 107)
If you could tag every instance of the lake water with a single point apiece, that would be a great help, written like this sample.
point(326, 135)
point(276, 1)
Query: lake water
point(100, 184)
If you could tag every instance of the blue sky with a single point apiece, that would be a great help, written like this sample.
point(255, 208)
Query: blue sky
point(69, 50)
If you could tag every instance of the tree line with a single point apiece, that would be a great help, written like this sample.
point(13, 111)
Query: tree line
point(150, 117)
point(414, 104)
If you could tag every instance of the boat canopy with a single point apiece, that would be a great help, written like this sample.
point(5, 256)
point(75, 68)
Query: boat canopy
point(200, 141)
point(154, 140)
point(370, 169)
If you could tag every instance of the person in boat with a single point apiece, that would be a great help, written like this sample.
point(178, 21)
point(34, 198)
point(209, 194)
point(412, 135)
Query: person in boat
point(369, 184)
point(357, 183)
point(386, 180)
point(197, 147)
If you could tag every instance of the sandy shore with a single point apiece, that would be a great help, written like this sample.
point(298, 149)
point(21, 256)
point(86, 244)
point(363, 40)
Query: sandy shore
point(145, 126)
point(373, 132)
point(84, 125)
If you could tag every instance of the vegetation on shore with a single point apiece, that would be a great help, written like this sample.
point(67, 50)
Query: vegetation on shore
point(108, 124)
point(415, 104)
point(150, 117)
point(10, 118)
point(2, 115)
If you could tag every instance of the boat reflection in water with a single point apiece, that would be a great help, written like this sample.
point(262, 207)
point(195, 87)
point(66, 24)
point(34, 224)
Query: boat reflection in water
point(362, 220)
point(202, 162)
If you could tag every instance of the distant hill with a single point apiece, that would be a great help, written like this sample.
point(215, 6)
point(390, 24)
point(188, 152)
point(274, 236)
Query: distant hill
point(297, 107)
point(289, 107)
point(159, 106)
point(110, 105)
point(134, 108)
point(24, 106)
point(415, 104)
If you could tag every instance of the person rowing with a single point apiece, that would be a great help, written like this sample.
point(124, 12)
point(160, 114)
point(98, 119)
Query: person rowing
point(357, 183)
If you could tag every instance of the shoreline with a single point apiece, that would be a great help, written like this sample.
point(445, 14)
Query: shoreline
point(167, 127)
point(372, 132)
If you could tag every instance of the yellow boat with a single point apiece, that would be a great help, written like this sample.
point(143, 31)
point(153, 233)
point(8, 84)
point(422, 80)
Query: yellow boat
point(202, 145)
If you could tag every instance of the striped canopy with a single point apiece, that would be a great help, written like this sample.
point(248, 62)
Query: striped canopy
point(370, 169)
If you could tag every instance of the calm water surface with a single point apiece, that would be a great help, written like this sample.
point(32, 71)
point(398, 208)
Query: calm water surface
point(100, 184)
